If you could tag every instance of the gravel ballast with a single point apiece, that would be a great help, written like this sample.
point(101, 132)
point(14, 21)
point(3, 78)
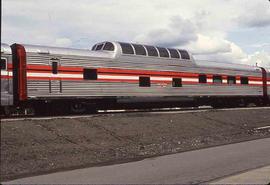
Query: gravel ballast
point(43, 146)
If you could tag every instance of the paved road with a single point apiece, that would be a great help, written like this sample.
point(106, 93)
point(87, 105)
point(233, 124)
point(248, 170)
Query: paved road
point(189, 167)
point(257, 176)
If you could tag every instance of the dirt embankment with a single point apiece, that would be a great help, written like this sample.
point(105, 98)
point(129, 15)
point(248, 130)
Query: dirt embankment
point(36, 147)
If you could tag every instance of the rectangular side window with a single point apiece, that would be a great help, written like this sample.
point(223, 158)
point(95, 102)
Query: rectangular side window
point(90, 74)
point(3, 64)
point(231, 80)
point(202, 79)
point(177, 82)
point(217, 79)
point(145, 82)
point(244, 80)
point(54, 67)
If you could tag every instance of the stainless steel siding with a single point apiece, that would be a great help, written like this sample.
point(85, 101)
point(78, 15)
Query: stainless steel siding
point(92, 88)
point(7, 85)
point(84, 89)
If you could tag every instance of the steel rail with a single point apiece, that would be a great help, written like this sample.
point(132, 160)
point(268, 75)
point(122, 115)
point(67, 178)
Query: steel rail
point(135, 111)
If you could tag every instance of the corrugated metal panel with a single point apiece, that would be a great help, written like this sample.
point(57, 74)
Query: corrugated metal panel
point(160, 65)
point(71, 88)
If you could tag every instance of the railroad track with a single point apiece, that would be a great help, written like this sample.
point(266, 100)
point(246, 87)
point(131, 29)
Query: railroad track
point(135, 111)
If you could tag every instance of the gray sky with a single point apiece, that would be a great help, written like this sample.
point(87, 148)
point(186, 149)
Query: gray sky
point(221, 30)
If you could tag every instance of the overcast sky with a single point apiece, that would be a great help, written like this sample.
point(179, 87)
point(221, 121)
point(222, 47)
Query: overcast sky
point(222, 30)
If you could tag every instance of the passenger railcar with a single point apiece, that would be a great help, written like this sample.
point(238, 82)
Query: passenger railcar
point(115, 74)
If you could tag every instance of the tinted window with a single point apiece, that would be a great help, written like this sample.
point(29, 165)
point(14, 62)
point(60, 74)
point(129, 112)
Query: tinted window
point(127, 48)
point(163, 52)
point(231, 80)
point(99, 47)
point(3, 64)
point(152, 51)
point(109, 46)
point(184, 54)
point(177, 82)
point(94, 47)
point(244, 80)
point(202, 79)
point(55, 66)
point(217, 79)
point(89, 74)
point(139, 49)
point(174, 53)
point(145, 82)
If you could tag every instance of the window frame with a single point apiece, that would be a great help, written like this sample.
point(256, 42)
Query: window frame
point(135, 46)
point(90, 77)
point(204, 77)
point(174, 50)
point(142, 82)
point(230, 78)
point(242, 82)
point(149, 48)
point(184, 54)
point(102, 45)
point(94, 47)
point(219, 78)
point(123, 48)
point(175, 82)
point(163, 51)
point(6, 64)
point(106, 44)
point(55, 68)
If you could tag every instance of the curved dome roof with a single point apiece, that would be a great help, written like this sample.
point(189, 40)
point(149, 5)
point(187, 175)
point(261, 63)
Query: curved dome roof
point(143, 50)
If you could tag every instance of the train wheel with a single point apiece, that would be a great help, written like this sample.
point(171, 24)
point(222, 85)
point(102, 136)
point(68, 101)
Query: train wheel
point(41, 109)
point(78, 108)
point(6, 111)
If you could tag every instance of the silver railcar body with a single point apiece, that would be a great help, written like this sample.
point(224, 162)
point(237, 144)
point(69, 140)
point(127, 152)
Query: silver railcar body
point(118, 75)
point(268, 82)
point(6, 76)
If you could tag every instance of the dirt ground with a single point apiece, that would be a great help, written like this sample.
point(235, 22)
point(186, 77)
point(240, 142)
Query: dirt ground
point(44, 146)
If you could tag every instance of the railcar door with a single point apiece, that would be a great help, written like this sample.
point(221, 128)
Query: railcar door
point(55, 83)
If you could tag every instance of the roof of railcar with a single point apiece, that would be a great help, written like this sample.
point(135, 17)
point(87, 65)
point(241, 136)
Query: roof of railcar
point(226, 65)
point(65, 51)
point(108, 54)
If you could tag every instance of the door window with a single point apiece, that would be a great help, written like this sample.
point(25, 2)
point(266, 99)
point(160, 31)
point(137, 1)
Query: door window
point(3, 64)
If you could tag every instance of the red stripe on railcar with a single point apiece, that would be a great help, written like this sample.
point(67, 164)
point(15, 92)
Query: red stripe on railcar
point(127, 72)
point(50, 72)
point(6, 77)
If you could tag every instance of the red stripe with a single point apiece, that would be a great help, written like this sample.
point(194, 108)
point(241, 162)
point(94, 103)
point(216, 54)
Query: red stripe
point(6, 77)
point(59, 72)
point(255, 79)
point(114, 74)
point(144, 72)
point(54, 78)
point(76, 70)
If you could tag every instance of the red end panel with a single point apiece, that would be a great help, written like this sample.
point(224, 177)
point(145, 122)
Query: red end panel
point(264, 76)
point(22, 89)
